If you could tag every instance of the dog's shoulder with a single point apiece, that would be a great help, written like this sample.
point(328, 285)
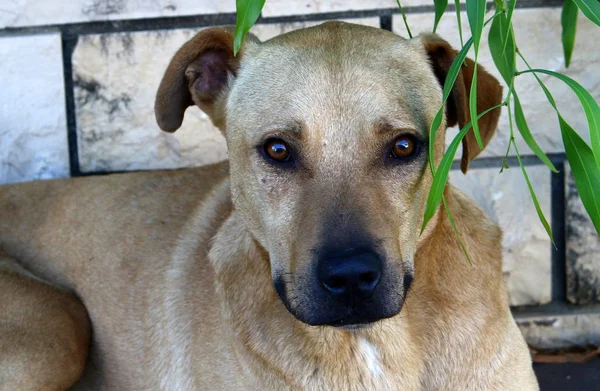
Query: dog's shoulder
point(462, 256)
point(466, 210)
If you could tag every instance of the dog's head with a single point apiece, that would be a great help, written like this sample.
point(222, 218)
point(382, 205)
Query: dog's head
point(327, 130)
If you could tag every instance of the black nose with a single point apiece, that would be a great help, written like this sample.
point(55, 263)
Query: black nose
point(352, 276)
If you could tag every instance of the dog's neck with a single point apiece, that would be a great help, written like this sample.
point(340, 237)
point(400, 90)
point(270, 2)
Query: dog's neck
point(303, 356)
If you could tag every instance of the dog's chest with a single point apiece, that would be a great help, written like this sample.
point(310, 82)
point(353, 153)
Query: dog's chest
point(365, 368)
point(370, 357)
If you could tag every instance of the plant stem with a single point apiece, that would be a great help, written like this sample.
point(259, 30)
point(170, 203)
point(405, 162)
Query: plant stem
point(500, 5)
point(404, 18)
point(512, 136)
point(489, 20)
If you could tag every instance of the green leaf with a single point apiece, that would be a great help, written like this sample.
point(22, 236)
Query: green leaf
point(585, 169)
point(448, 84)
point(458, 19)
point(248, 12)
point(441, 177)
point(568, 20)
point(526, 134)
point(473, 108)
point(502, 47)
point(511, 10)
point(441, 174)
point(589, 104)
point(536, 203)
point(591, 9)
point(440, 8)
point(453, 225)
point(585, 172)
point(476, 13)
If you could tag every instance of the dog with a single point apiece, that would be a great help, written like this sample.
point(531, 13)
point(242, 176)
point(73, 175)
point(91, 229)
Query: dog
point(298, 264)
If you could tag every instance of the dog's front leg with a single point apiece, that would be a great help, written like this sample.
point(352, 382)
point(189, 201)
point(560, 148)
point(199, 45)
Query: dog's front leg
point(44, 332)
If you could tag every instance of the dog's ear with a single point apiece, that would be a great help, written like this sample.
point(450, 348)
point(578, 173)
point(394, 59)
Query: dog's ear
point(489, 94)
point(198, 74)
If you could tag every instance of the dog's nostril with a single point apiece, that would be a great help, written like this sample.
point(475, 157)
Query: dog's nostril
point(336, 283)
point(350, 277)
point(369, 277)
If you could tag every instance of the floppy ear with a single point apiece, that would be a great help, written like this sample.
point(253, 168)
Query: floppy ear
point(489, 93)
point(198, 74)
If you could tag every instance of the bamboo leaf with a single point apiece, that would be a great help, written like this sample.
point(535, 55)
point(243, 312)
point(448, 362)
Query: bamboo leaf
point(448, 85)
point(502, 47)
point(582, 160)
point(247, 12)
point(441, 177)
point(473, 108)
point(585, 171)
point(591, 9)
point(458, 19)
point(511, 10)
point(476, 13)
point(568, 21)
point(589, 104)
point(536, 203)
point(526, 134)
point(440, 8)
point(441, 174)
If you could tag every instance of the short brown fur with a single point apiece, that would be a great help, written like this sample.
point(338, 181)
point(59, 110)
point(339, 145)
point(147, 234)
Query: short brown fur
point(172, 273)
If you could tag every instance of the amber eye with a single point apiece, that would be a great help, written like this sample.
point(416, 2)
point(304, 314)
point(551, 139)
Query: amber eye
point(404, 146)
point(277, 150)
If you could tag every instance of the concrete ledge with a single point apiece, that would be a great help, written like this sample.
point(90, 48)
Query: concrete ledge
point(559, 325)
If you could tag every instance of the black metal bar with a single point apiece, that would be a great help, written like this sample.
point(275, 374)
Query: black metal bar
point(554, 308)
point(68, 46)
point(558, 259)
point(385, 22)
point(512, 161)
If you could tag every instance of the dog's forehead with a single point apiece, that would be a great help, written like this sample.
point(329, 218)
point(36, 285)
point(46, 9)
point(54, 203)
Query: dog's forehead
point(336, 72)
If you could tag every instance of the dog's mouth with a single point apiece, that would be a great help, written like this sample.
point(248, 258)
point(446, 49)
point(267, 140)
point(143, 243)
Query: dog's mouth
point(316, 307)
point(356, 327)
point(354, 321)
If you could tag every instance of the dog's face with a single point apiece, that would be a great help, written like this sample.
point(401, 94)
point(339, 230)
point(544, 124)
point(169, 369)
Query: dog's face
point(327, 130)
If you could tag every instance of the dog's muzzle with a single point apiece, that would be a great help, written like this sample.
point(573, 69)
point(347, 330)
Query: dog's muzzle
point(344, 288)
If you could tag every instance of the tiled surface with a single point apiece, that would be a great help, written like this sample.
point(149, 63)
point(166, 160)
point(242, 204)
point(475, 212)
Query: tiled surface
point(33, 131)
point(538, 35)
point(526, 246)
point(116, 77)
point(17, 13)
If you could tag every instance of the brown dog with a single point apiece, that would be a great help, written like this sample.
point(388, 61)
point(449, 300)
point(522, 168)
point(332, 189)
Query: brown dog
point(286, 268)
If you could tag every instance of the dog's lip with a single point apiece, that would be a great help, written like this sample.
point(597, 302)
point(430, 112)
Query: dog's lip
point(345, 323)
point(355, 326)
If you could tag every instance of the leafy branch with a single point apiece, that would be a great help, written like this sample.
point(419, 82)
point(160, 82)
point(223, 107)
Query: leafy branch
point(583, 158)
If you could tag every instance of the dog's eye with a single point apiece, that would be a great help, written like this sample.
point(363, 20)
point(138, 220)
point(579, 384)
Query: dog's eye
point(404, 147)
point(277, 150)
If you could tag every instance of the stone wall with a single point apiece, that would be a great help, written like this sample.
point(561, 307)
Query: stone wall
point(77, 99)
